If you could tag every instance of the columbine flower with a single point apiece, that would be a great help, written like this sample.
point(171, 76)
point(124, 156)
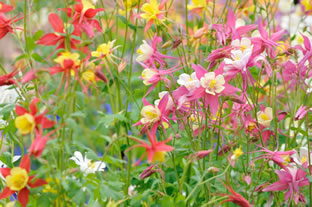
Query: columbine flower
point(303, 157)
point(188, 81)
point(18, 180)
point(8, 95)
point(86, 165)
point(145, 52)
point(237, 153)
point(27, 121)
point(150, 114)
point(265, 117)
point(243, 44)
point(291, 179)
point(151, 12)
point(213, 84)
point(105, 51)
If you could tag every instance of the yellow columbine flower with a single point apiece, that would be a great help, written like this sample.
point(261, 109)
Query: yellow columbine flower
point(104, 50)
point(25, 123)
point(307, 5)
point(150, 10)
point(159, 156)
point(197, 4)
point(68, 56)
point(237, 153)
point(89, 76)
point(18, 179)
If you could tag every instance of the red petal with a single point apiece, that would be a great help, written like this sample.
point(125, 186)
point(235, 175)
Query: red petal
point(33, 106)
point(23, 197)
point(6, 193)
point(25, 163)
point(49, 39)
point(39, 182)
point(5, 171)
point(5, 8)
point(46, 123)
point(20, 110)
point(56, 22)
point(90, 13)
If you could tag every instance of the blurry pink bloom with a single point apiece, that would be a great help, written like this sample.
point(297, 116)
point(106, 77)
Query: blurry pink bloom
point(150, 170)
point(29, 76)
point(291, 179)
point(225, 31)
point(302, 112)
point(247, 179)
point(265, 41)
point(5, 8)
point(200, 154)
point(149, 56)
point(281, 158)
point(293, 73)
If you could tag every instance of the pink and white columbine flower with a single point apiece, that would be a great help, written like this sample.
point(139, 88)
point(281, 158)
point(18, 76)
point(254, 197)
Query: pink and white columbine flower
point(291, 179)
point(213, 84)
point(302, 159)
point(149, 55)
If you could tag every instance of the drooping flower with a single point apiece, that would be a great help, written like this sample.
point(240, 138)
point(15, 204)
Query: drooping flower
point(18, 180)
point(86, 165)
point(234, 197)
point(302, 112)
point(290, 179)
point(281, 158)
point(28, 121)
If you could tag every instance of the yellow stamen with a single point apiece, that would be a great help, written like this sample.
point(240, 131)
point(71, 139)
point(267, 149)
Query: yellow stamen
point(17, 180)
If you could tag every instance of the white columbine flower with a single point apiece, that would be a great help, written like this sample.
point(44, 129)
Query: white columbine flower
point(188, 81)
point(145, 52)
point(9, 95)
point(213, 84)
point(243, 44)
point(239, 59)
point(86, 165)
point(302, 157)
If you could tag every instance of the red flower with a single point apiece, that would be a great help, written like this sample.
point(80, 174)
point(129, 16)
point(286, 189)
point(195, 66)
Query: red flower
point(7, 79)
point(29, 120)
point(59, 35)
point(5, 25)
point(38, 145)
point(5, 8)
point(18, 180)
point(83, 18)
point(234, 197)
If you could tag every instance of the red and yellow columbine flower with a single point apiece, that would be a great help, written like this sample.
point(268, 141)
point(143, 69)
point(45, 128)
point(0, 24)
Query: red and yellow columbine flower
point(105, 51)
point(18, 180)
point(152, 12)
point(27, 121)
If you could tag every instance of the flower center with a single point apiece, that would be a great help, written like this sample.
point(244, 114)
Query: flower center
point(18, 179)
point(304, 159)
point(212, 83)
point(91, 165)
point(25, 123)
point(159, 156)
point(264, 117)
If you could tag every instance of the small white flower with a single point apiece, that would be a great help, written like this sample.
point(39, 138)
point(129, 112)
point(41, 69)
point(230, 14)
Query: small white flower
point(265, 118)
point(145, 52)
point(132, 191)
point(243, 44)
point(86, 165)
point(239, 59)
point(302, 157)
point(9, 95)
point(188, 81)
point(308, 82)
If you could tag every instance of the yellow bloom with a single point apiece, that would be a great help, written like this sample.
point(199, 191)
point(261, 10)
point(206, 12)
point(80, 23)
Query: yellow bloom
point(197, 4)
point(159, 156)
point(237, 153)
point(18, 179)
point(147, 74)
point(25, 123)
point(104, 50)
point(307, 5)
point(88, 76)
point(150, 10)
point(68, 56)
